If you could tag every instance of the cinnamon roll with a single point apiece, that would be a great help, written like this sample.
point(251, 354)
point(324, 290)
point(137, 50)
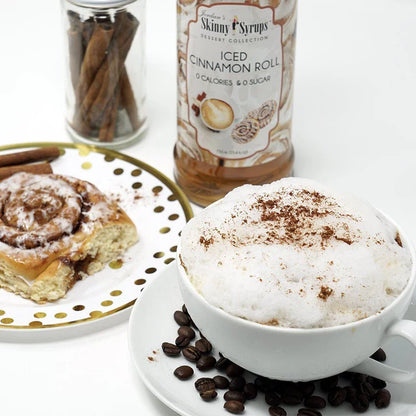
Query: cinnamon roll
point(245, 131)
point(55, 230)
point(265, 113)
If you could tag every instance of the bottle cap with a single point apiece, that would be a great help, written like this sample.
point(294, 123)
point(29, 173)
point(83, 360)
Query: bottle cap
point(101, 4)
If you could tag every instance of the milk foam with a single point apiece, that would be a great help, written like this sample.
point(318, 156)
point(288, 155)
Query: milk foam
point(295, 254)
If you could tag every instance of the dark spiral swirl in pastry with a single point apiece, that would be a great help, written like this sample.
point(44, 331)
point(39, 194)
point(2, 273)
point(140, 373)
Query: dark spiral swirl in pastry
point(38, 209)
point(245, 131)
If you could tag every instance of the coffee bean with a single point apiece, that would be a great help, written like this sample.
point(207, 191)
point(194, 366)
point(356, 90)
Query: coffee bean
point(234, 370)
point(329, 383)
point(233, 406)
point(187, 332)
point(205, 363)
point(182, 341)
point(204, 384)
point(184, 372)
point(263, 384)
point(337, 396)
point(222, 363)
point(367, 389)
point(358, 379)
point(361, 403)
point(382, 399)
point(379, 355)
point(315, 402)
point(272, 398)
point(250, 390)
point(191, 354)
point(377, 383)
point(309, 412)
point(185, 309)
point(181, 318)
point(203, 346)
point(277, 411)
point(292, 395)
point(221, 382)
point(170, 350)
point(237, 383)
point(234, 395)
point(351, 394)
point(307, 388)
point(208, 395)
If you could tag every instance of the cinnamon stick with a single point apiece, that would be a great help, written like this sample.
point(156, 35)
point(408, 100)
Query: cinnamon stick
point(38, 168)
point(128, 101)
point(94, 56)
point(108, 127)
point(102, 89)
point(30, 156)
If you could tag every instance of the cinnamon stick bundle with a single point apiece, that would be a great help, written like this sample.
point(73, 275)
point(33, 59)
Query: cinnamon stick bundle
point(103, 87)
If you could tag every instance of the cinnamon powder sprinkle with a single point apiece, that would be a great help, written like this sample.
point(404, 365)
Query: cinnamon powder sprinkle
point(206, 242)
point(325, 293)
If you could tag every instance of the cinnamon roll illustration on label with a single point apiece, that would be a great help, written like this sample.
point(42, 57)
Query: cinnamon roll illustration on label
point(246, 131)
point(265, 113)
point(55, 230)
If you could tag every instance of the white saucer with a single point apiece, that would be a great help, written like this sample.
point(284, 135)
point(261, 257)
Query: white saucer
point(151, 323)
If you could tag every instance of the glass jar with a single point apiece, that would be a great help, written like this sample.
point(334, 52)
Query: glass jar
point(105, 93)
point(235, 94)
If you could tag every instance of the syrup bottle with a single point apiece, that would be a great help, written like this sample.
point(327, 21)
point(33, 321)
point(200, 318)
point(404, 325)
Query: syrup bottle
point(235, 94)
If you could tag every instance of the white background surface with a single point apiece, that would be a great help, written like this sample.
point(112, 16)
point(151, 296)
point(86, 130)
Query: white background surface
point(354, 128)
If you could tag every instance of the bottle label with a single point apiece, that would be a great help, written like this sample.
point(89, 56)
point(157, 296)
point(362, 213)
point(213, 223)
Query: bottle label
point(234, 83)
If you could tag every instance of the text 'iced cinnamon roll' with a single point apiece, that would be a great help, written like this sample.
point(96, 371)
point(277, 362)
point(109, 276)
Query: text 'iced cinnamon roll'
point(55, 230)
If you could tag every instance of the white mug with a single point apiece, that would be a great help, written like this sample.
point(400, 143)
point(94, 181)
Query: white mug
point(297, 354)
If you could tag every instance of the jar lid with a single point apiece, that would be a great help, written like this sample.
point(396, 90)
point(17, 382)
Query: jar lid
point(101, 4)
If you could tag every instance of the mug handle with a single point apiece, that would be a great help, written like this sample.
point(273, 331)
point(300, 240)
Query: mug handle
point(405, 329)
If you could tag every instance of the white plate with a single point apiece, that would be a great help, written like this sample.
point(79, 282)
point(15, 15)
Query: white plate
point(151, 323)
point(157, 207)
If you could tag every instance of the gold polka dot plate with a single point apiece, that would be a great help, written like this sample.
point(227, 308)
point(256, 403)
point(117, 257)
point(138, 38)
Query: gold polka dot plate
point(159, 210)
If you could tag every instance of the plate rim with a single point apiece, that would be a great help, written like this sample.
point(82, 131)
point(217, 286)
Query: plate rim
point(142, 375)
point(176, 190)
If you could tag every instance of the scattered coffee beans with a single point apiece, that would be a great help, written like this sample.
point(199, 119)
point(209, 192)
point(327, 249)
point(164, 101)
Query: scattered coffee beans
point(273, 398)
point(191, 354)
point(208, 395)
point(221, 382)
point(250, 390)
point(234, 395)
point(315, 402)
point(182, 341)
point(184, 372)
point(357, 389)
point(233, 406)
point(277, 411)
point(186, 331)
point(237, 383)
point(361, 403)
point(170, 350)
point(204, 384)
point(205, 363)
point(203, 346)
point(234, 370)
point(337, 396)
point(182, 318)
point(309, 412)
point(382, 399)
